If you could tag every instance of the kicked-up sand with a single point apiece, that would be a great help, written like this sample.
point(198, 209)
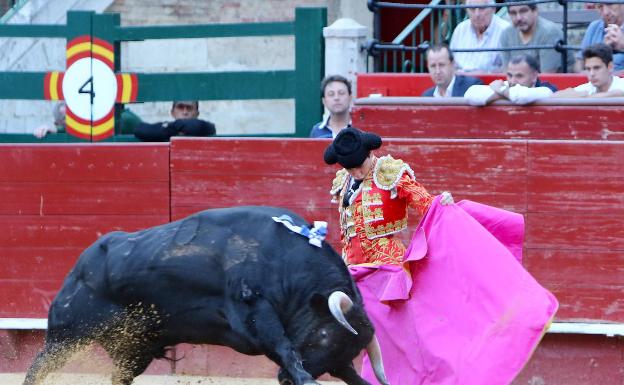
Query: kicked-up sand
point(100, 379)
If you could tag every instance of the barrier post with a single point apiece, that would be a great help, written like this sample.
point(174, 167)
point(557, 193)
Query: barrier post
point(344, 55)
point(309, 67)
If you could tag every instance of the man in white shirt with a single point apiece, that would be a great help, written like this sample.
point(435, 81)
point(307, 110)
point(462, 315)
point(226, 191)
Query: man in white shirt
point(598, 65)
point(522, 86)
point(482, 30)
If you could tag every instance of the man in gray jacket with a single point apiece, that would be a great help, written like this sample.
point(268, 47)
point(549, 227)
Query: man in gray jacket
point(529, 29)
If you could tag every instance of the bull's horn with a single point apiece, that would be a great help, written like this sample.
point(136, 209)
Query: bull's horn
point(339, 303)
point(374, 355)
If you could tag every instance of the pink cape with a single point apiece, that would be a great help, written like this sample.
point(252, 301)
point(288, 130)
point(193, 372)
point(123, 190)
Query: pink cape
point(461, 310)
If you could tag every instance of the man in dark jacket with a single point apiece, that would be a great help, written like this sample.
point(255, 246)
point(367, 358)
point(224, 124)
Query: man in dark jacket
point(441, 65)
point(186, 123)
point(523, 85)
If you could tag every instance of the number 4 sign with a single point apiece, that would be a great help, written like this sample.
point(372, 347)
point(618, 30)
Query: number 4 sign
point(90, 88)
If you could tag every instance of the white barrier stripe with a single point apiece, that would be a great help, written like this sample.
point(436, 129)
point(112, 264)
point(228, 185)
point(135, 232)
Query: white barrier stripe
point(609, 330)
point(23, 323)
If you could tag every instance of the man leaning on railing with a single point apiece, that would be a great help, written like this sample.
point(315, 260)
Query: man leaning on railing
point(523, 85)
point(598, 65)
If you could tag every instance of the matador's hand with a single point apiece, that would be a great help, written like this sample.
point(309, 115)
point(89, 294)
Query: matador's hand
point(447, 198)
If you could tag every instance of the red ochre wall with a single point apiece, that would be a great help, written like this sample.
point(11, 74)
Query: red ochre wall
point(59, 198)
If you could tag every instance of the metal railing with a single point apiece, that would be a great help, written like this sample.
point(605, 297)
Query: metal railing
point(300, 84)
point(9, 7)
point(406, 52)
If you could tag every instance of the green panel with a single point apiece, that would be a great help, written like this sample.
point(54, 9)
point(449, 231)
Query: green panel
point(78, 23)
point(66, 138)
point(59, 138)
point(121, 138)
point(22, 85)
point(204, 31)
point(103, 26)
point(29, 138)
point(216, 86)
point(30, 30)
point(309, 64)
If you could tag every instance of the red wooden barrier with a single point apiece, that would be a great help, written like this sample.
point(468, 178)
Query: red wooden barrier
point(569, 192)
point(60, 198)
point(57, 199)
point(596, 119)
point(414, 84)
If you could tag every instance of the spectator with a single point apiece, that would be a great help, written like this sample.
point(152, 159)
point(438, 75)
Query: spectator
point(336, 97)
point(482, 30)
point(603, 31)
point(598, 64)
point(58, 114)
point(529, 29)
point(614, 37)
point(129, 120)
point(441, 65)
point(185, 122)
point(522, 86)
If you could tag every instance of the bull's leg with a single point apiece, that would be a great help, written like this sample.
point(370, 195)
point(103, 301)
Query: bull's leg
point(52, 357)
point(127, 368)
point(348, 375)
point(130, 355)
point(272, 338)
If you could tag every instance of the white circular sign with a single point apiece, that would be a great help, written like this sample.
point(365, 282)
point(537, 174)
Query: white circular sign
point(90, 88)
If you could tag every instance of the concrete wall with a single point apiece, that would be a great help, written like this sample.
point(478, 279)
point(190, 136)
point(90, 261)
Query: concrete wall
point(187, 55)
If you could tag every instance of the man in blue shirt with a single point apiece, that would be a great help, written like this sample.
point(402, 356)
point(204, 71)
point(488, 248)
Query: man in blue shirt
point(612, 16)
point(336, 97)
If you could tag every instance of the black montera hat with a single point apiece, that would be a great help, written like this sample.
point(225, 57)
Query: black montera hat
point(351, 147)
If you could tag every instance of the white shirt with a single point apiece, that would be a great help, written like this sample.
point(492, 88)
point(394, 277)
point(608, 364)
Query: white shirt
point(465, 37)
point(616, 84)
point(478, 95)
point(449, 90)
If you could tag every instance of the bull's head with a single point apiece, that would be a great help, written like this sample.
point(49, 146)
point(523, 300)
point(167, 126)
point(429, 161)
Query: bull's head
point(339, 303)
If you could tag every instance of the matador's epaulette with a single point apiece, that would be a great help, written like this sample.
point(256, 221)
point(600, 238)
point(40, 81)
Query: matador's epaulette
point(388, 172)
point(339, 181)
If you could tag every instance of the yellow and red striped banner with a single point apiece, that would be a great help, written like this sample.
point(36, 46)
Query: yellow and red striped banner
point(87, 129)
point(127, 88)
point(86, 46)
point(53, 86)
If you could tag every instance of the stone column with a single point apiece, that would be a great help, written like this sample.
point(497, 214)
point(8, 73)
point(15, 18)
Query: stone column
point(343, 49)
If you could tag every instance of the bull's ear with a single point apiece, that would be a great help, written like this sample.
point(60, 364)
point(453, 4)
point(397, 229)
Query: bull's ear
point(318, 302)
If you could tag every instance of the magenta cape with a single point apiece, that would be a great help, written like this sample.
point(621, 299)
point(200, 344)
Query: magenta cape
point(462, 310)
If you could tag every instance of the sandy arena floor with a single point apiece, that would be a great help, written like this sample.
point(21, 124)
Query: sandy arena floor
point(96, 379)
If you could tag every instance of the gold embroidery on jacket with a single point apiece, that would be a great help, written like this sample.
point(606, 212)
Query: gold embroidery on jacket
point(388, 171)
point(339, 181)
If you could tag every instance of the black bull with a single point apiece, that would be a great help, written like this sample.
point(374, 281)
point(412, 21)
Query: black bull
point(230, 277)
